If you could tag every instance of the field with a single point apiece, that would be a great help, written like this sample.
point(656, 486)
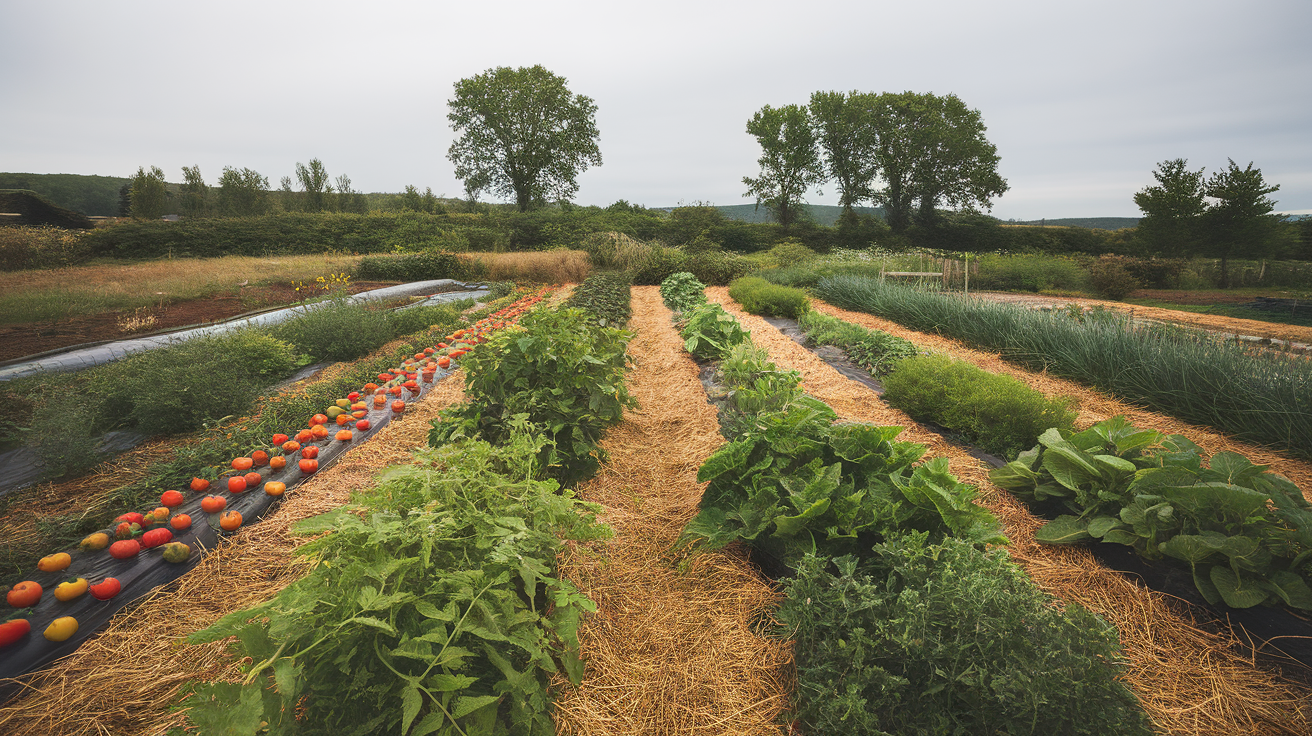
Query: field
point(694, 524)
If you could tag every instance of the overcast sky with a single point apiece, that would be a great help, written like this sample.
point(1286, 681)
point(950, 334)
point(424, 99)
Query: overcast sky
point(1082, 99)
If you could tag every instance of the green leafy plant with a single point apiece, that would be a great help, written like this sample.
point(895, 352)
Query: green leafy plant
point(336, 330)
point(997, 413)
point(606, 295)
point(682, 292)
point(943, 638)
point(875, 351)
point(432, 607)
point(710, 331)
point(759, 296)
point(1246, 533)
point(563, 371)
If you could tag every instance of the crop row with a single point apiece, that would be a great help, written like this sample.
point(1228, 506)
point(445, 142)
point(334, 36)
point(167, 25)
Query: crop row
point(128, 568)
point(1259, 396)
point(904, 620)
point(1245, 532)
point(435, 604)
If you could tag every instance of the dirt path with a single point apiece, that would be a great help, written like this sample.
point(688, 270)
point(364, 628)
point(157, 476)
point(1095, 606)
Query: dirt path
point(1094, 406)
point(1217, 323)
point(671, 649)
point(123, 681)
point(1188, 680)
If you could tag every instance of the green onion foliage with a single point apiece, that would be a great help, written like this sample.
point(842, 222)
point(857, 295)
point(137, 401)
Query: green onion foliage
point(1263, 397)
point(1244, 532)
point(875, 351)
point(943, 638)
point(996, 413)
point(434, 606)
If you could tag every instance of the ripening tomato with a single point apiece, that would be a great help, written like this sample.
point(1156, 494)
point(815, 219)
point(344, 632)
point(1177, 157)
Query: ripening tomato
point(70, 589)
point(61, 629)
point(278, 439)
point(363, 425)
point(230, 520)
point(213, 504)
point(124, 549)
point(277, 462)
point(304, 436)
point(24, 594)
point(290, 447)
point(106, 589)
point(253, 479)
point(171, 498)
point(260, 458)
point(275, 488)
point(310, 452)
point(398, 406)
point(12, 631)
point(344, 435)
point(180, 522)
point(242, 463)
point(199, 485)
point(308, 466)
point(55, 562)
point(236, 484)
point(319, 432)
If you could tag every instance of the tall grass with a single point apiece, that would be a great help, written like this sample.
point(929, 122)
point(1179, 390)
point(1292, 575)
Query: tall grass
point(1260, 397)
point(46, 295)
point(543, 267)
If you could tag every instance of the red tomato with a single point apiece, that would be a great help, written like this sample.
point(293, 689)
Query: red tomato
point(199, 485)
point(236, 484)
point(310, 452)
point(106, 589)
point(24, 594)
point(12, 631)
point(309, 466)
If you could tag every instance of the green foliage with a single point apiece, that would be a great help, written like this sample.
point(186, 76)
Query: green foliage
point(193, 198)
point(336, 330)
point(848, 139)
point(710, 332)
point(873, 350)
point(243, 193)
point(90, 195)
point(790, 160)
point(758, 296)
point(716, 267)
point(149, 194)
point(606, 295)
point(658, 264)
point(1260, 397)
point(315, 186)
point(1172, 208)
point(435, 608)
point(522, 135)
point(563, 371)
point(1111, 278)
point(414, 319)
point(1028, 273)
point(790, 253)
point(1245, 532)
point(423, 266)
point(945, 639)
point(24, 247)
point(997, 413)
point(682, 292)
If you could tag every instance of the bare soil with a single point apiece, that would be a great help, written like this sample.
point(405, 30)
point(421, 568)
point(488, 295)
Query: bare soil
point(21, 340)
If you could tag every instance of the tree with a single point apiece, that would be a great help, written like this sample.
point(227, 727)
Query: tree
point(243, 193)
point(195, 193)
point(149, 195)
point(314, 182)
point(522, 134)
point(931, 150)
point(845, 134)
point(1172, 210)
point(1241, 218)
point(790, 160)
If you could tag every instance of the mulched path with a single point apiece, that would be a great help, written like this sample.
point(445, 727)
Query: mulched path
point(20, 340)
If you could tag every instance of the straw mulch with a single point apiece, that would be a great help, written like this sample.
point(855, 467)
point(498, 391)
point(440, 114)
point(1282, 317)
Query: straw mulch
point(671, 649)
point(1189, 680)
point(123, 681)
point(1094, 406)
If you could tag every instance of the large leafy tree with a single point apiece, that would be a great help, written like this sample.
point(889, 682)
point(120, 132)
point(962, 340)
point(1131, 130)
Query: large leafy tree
point(931, 151)
point(315, 184)
point(148, 195)
point(1172, 208)
point(1240, 219)
point(194, 193)
point(845, 134)
point(243, 192)
point(522, 134)
point(790, 160)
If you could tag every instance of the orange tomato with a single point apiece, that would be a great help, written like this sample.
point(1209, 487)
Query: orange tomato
point(278, 462)
point(275, 488)
point(230, 520)
point(242, 464)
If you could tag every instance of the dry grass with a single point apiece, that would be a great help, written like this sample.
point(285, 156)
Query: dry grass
point(617, 250)
point(671, 649)
point(32, 296)
point(1189, 680)
point(124, 681)
point(542, 267)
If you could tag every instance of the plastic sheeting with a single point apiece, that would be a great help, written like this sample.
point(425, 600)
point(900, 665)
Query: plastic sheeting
point(147, 571)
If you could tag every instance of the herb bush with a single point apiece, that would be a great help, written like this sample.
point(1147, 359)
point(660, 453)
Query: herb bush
point(943, 638)
point(414, 319)
point(1246, 533)
point(658, 264)
point(607, 295)
point(873, 350)
point(1259, 397)
point(682, 292)
point(758, 296)
point(997, 413)
point(1112, 278)
point(337, 330)
point(563, 371)
point(434, 606)
point(710, 331)
point(718, 267)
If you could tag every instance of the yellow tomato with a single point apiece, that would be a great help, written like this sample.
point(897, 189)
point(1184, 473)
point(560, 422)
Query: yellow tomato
point(55, 562)
point(70, 590)
point(61, 628)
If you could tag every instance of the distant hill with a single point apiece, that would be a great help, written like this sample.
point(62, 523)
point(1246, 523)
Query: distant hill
point(1096, 223)
point(90, 195)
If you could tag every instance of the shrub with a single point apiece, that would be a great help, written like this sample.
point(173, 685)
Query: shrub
point(759, 296)
point(614, 250)
point(873, 350)
point(606, 295)
point(790, 252)
point(946, 639)
point(1112, 278)
point(659, 264)
point(718, 268)
point(337, 330)
point(682, 291)
point(998, 413)
point(424, 266)
point(413, 319)
point(1028, 273)
point(40, 247)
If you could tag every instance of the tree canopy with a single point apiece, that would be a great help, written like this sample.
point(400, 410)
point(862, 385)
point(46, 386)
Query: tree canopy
point(243, 192)
point(790, 160)
point(148, 194)
point(1172, 208)
point(522, 134)
point(845, 134)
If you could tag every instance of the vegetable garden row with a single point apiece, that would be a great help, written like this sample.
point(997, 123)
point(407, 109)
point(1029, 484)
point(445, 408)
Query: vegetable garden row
point(529, 573)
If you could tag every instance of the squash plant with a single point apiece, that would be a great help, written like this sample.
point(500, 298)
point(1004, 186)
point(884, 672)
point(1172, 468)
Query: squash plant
point(433, 607)
point(682, 292)
point(1245, 532)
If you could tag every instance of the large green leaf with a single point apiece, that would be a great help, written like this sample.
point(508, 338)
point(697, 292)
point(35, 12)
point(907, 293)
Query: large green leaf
point(1215, 502)
point(1192, 548)
point(1292, 589)
point(1064, 529)
point(1237, 591)
point(788, 526)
